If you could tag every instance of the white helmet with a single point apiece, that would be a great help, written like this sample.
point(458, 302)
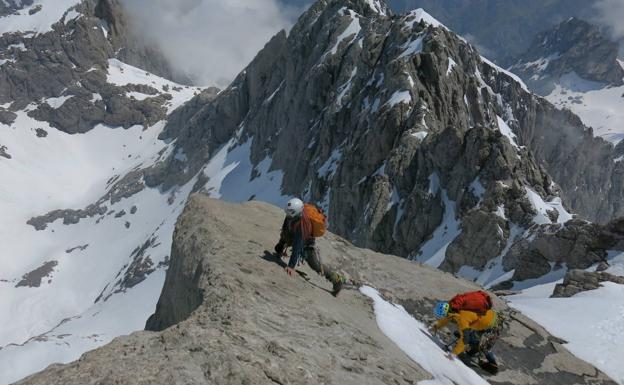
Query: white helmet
point(294, 208)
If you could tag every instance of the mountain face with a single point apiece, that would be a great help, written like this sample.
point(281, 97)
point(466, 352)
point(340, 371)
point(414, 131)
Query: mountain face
point(573, 46)
point(398, 128)
point(236, 318)
point(576, 68)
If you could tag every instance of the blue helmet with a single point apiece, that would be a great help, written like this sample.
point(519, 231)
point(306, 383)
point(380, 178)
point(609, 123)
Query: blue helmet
point(441, 309)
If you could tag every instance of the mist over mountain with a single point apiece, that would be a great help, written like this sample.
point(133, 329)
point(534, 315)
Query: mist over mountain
point(209, 41)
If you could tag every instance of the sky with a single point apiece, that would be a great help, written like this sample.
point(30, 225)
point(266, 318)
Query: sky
point(210, 41)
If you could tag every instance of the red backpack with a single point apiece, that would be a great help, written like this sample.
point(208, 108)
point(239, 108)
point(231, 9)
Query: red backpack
point(474, 301)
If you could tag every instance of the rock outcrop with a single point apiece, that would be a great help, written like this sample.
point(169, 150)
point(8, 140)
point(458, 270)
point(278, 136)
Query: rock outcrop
point(577, 281)
point(574, 46)
point(229, 314)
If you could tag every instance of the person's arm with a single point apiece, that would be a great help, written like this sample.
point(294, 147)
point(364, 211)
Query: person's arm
point(442, 323)
point(297, 249)
point(283, 240)
point(462, 325)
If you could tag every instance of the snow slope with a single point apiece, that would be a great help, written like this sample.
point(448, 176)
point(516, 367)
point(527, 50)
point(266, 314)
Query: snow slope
point(598, 106)
point(79, 303)
point(412, 337)
point(592, 322)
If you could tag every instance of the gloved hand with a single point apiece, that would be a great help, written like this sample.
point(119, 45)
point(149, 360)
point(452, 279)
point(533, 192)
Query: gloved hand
point(433, 329)
point(279, 249)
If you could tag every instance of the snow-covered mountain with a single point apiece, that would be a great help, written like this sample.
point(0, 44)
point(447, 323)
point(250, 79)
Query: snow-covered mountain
point(413, 143)
point(85, 242)
point(575, 67)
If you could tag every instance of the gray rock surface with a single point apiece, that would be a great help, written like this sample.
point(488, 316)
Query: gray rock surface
point(577, 281)
point(34, 278)
point(574, 46)
point(4, 152)
point(230, 315)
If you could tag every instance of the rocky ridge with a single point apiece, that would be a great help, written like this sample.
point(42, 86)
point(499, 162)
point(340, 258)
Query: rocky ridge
point(229, 314)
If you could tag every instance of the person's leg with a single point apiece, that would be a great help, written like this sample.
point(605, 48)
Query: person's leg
point(490, 357)
point(471, 341)
point(313, 258)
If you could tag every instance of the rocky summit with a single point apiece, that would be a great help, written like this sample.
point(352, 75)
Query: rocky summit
point(229, 314)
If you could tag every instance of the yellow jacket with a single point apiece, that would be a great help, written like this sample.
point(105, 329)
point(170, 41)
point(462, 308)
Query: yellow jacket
point(467, 320)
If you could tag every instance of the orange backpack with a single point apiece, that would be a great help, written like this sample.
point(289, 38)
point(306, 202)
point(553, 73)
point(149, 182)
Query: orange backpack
point(475, 301)
point(317, 219)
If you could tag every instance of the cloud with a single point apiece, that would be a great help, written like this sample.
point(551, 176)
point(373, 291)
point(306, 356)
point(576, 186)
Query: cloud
point(611, 13)
point(210, 41)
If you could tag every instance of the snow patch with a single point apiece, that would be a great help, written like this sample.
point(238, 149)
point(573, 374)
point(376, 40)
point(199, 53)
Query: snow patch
point(230, 174)
point(57, 102)
point(452, 64)
point(420, 14)
point(511, 75)
point(412, 47)
point(353, 29)
point(543, 207)
point(72, 15)
point(329, 167)
point(399, 97)
point(433, 251)
point(477, 189)
point(420, 135)
point(507, 131)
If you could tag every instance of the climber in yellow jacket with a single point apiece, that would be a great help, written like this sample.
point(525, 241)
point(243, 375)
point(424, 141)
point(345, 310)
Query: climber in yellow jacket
point(470, 327)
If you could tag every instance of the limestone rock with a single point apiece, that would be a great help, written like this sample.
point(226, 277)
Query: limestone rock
point(577, 281)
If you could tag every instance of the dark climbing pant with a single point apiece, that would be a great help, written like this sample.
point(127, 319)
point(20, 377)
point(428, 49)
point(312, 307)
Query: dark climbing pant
point(313, 258)
point(472, 339)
